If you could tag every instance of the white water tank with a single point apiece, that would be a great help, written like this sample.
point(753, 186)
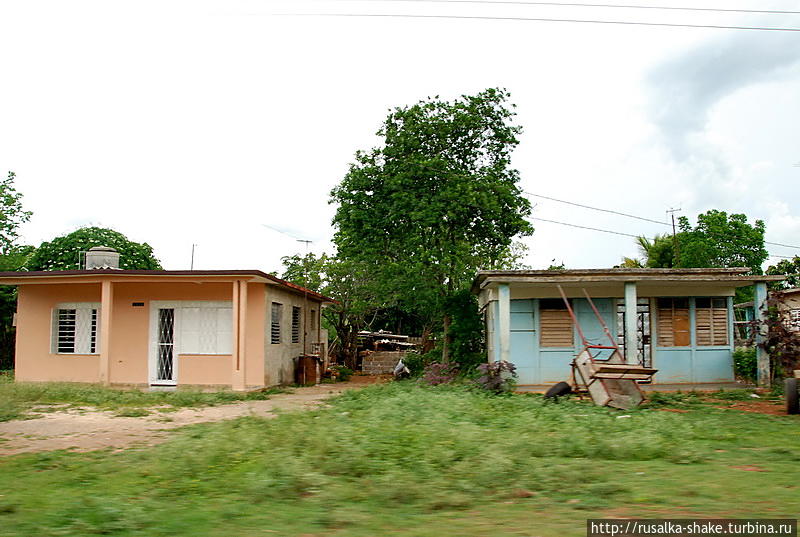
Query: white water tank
point(102, 257)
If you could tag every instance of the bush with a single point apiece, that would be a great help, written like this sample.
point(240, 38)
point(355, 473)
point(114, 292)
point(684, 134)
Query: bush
point(439, 373)
point(341, 373)
point(745, 364)
point(497, 377)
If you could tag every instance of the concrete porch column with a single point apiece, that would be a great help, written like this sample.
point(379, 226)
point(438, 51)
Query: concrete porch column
point(106, 306)
point(239, 335)
point(504, 321)
point(760, 310)
point(631, 318)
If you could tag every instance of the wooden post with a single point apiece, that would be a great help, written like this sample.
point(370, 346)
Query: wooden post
point(504, 318)
point(760, 310)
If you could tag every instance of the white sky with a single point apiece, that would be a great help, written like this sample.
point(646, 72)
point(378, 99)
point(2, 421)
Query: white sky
point(181, 122)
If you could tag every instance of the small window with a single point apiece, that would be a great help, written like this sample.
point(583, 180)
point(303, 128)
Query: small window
point(794, 320)
point(296, 324)
point(312, 321)
point(711, 321)
point(555, 324)
point(75, 328)
point(673, 322)
point(275, 331)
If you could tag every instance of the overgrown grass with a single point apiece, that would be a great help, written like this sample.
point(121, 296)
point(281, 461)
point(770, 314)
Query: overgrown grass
point(409, 460)
point(17, 399)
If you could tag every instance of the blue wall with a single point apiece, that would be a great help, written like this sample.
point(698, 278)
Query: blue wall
point(539, 365)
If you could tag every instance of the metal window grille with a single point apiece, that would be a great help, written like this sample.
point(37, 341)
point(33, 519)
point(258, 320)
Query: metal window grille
point(296, 324)
point(166, 344)
point(93, 333)
point(794, 320)
point(275, 325)
point(67, 320)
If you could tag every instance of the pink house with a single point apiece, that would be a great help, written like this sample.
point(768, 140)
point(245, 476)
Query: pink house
point(237, 329)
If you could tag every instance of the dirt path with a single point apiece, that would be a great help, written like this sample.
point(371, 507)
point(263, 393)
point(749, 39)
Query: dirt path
point(86, 430)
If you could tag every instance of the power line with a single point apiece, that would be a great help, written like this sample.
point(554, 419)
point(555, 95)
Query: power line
point(631, 215)
point(620, 6)
point(585, 227)
point(628, 234)
point(596, 208)
point(542, 19)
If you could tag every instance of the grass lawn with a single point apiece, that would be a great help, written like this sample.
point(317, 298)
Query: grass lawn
point(399, 459)
point(18, 399)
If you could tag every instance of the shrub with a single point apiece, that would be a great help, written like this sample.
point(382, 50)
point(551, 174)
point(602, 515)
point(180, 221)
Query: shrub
point(497, 377)
point(745, 363)
point(439, 373)
point(341, 373)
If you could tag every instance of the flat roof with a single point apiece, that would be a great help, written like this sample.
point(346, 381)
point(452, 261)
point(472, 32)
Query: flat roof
point(736, 276)
point(22, 277)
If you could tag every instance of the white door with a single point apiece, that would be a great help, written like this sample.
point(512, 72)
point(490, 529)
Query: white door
point(163, 351)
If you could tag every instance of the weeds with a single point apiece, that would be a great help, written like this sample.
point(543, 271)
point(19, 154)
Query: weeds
point(17, 399)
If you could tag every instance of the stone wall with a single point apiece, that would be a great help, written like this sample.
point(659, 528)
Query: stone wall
point(381, 362)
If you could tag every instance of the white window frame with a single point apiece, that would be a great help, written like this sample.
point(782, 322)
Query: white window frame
point(222, 348)
point(83, 328)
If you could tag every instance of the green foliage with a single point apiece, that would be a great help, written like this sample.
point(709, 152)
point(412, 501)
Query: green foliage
point(18, 398)
point(721, 240)
point(497, 377)
point(11, 214)
point(13, 260)
point(718, 240)
point(436, 201)
point(745, 364)
point(352, 283)
point(466, 331)
point(789, 267)
point(341, 373)
point(409, 460)
point(62, 252)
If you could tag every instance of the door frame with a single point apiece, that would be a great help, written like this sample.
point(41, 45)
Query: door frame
point(152, 342)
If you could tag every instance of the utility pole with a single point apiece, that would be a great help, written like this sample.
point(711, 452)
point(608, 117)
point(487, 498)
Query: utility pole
point(675, 245)
point(191, 264)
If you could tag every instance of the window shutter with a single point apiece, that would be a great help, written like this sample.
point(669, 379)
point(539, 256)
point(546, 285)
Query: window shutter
point(711, 316)
point(555, 324)
point(673, 322)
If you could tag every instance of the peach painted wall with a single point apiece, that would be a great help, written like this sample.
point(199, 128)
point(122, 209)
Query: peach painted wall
point(34, 360)
point(130, 338)
point(204, 369)
point(254, 348)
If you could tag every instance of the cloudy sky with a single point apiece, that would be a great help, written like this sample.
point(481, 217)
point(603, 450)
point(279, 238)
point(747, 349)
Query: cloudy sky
point(217, 123)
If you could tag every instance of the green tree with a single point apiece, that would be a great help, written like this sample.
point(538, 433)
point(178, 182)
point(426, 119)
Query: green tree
point(789, 267)
point(434, 203)
point(12, 216)
point(62, 253)
point(721, 240)
point(351, 284)
point(12, 258)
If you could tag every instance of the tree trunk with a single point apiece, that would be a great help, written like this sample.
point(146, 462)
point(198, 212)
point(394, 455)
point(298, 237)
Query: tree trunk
point(446, 338)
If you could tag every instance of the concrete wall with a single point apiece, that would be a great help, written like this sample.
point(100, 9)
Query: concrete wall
point(130, 334)
point(381, 362)
point(279, 359)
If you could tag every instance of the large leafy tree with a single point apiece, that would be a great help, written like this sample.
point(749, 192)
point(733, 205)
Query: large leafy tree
point(718, 240)
point(352, 285)
point(12, 257)
point(721, 240)
point(789, 267)
point(64, 252)
point(12, 215)
point(436, 201)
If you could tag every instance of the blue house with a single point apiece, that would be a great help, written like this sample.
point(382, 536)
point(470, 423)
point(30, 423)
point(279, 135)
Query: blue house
point(679, 321)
